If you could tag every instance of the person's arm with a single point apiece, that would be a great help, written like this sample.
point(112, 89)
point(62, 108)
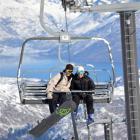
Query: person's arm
point(53, 82)
point(72, 84)
point(91, 84)
point(51, 85)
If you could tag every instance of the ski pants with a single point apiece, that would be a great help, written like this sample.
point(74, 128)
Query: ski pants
point(87, 99)
point(58, 99)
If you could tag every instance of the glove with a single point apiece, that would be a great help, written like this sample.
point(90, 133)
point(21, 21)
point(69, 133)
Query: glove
point(50, 95)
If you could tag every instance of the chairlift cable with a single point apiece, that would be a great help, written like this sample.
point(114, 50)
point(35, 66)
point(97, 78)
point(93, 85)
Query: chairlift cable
point(59, 55)
point(66, 25)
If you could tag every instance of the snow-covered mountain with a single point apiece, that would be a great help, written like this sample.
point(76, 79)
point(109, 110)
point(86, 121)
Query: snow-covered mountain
point(16, 119)
point(13, 115)
point(20, 20)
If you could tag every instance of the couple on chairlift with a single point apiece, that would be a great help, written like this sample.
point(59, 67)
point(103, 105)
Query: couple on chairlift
point(66, 81)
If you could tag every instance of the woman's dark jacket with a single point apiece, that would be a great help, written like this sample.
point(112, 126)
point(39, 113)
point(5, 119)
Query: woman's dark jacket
point(84, 83)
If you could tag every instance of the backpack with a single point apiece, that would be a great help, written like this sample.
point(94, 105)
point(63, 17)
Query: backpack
point(61, 77)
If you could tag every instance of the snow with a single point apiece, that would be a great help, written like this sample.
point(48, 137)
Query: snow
point(13, 114)
point(16, 119)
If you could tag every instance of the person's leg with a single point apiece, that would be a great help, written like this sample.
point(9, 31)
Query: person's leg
point(90, 109)
point(89, 103)
point(76, 99)
point(53, 103)
point(62, 98)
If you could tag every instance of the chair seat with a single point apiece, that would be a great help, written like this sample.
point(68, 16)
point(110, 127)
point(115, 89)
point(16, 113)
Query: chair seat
point(36, 93)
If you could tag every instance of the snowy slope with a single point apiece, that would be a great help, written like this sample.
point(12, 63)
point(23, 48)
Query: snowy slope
point(12, 113)
point(17, 119)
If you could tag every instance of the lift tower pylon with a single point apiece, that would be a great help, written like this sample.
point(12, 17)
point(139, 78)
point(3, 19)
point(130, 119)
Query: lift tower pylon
point(131, 78)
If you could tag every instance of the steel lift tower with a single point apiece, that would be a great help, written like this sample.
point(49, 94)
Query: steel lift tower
point(129, 55)
point(131, 81)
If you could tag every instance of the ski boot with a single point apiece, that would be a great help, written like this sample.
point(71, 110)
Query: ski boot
point(90, 119)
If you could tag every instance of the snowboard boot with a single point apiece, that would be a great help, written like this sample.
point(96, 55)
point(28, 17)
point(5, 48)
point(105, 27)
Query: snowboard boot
point(90, 119)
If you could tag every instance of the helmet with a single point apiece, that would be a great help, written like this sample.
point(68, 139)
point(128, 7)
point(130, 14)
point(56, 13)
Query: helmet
point(80, 70)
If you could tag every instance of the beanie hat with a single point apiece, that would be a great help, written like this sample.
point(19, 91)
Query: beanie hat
point(80, 70)
point(69, 67)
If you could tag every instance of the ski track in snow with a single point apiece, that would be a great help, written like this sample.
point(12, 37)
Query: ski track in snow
point(16, 119)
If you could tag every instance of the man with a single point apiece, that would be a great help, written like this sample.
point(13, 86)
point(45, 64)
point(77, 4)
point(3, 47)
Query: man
point(82, 82)
point(61, 83)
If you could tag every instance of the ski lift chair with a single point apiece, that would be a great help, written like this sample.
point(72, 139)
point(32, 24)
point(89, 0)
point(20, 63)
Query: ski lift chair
point(35, 92)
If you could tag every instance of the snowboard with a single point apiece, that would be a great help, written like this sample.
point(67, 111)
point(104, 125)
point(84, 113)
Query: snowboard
point(66, 108)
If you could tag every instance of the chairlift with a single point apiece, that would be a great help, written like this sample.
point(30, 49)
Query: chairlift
point(31, 92)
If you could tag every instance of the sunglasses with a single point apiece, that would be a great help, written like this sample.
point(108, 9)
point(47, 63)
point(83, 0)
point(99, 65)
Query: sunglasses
point(69, 71)
point(80, 72)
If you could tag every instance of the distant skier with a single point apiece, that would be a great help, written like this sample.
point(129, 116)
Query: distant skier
point(81, 81)
point(60, 82)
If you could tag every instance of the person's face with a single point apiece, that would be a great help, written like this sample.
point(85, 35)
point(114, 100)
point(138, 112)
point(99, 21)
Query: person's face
point(81, 74)
point(68, 72)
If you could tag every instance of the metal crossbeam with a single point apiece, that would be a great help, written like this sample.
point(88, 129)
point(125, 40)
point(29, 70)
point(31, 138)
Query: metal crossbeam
point(108, 8)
